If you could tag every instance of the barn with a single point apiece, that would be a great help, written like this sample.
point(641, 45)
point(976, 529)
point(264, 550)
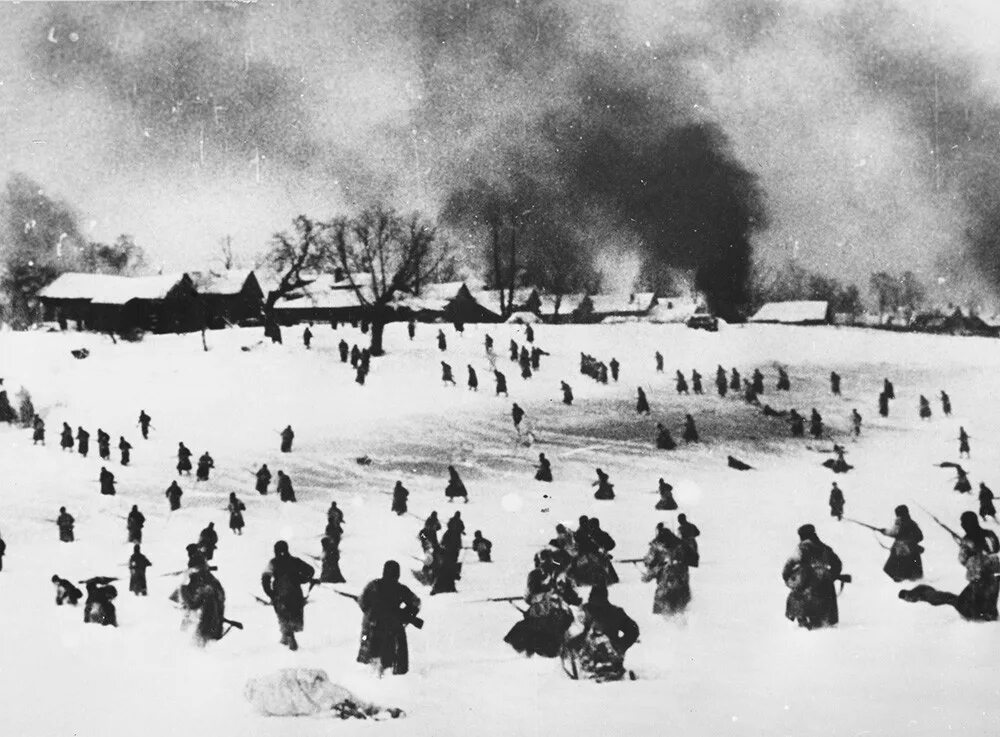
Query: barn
point(230, 297)
point(801, 312)
point(323, 300)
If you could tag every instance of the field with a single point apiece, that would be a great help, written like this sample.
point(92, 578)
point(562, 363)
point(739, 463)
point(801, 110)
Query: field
point(733, 665)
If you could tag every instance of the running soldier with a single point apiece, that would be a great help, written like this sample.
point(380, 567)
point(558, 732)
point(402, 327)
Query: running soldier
point(836, 502)
point(455, 487)
point(399, 496)
point(641, 403)
point(107, 481)
point(174, 495)
point(263, 476)
point(605, 489)
point(664, 440)
point(137, 565)
point(696, 386)
point(287, 436)
point(482, 546)
point(986, 508)
point(473, 381)
point(125, 448)
point(666, 501)
point(517, 414)
point(614, 366)
point(666, 563)
point(963, 443)
point(284, 488)
point(282, 583)
point(103, 445)
point(83, 441)
point(446, 375)
point(681, 382)
point(501, 381)
point(598, 652)
point(236, 508)
point(205, 465)
point(388, 607)
point(904, 563)
point(810, 574)
point(134, 524)
point(183, 459)
point(567, 392)
point(144, 423)
point(690, 434)
point(945, 404)
point(66, 438)
point(543, 471)
point(65, 524)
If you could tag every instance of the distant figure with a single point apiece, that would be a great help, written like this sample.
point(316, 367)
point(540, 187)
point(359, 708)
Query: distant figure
point(888, 389)
point(883, 405)
point(236, 508)
point(137, 565)
point(488, 342)
point(757, 381)
point(501, 381)
point(605, 489)
point(659, 362)
point(810, 574)
point(455, 488)
point(514, 352)
point(83, 441)
point(543, 471)
point(38, 431)
point(816, 424)
point(567, 392)
point(517, 414)
point(98, 608)
point(835, 383)
point(399, 496)
point(103, 445)
point(282, 583)
point(144, 422)
point(65, 524)
point(963, 443)
point(342, 347)
point(446, 375)
point(411, 329)
point(482, 546)
point(66, 592)
point(183, 459)
point(904, 563)
point(330, 562)
point(473, 381)
point(614, 366)
point(856, 422)
point(388, 607)
point(688, 533)
point(284, 488)
point(205, 465)
point(986, 508)
point(696, 386)
point(721, 385)
point(174, 495)
point(360, 375)
point(945, 404)
point(925, 408)
point(784, 384)
point(107, 481)
point(664, 440)
point(836, 502)
point(642, 404)
point(442, 342)
point(735, 383)
point(690, 431)
point(736, 463)
point(125, 448)
point(962, 483)
point(307, 337)
point(287, 436)
point(66, 439)
point(666, 501)
point(529, 334)
point(682, 385)
point(134, 524)
point(263, 476)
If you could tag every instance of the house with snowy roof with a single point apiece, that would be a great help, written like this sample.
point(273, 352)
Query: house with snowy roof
point(232, 297)
point(797, 312)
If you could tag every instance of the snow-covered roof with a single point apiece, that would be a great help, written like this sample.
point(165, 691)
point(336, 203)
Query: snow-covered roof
point(802, 311)
point(226, 283)
point(110, 289)
point(605, 304)
point(490, 298)
point(321, 296)
point(567, 304)
point(673, 309)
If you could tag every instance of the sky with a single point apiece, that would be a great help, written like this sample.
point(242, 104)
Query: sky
point(869, 126)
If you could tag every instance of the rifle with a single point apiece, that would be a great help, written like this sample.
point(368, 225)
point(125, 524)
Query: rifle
point(955, 536)
point(865, 524)
point(497, 598)
point(843, 578)
point(412, 619)
point(185, 570)
point(233, 624)
point(633, 561)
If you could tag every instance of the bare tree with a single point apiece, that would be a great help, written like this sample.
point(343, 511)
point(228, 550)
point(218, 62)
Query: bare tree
point(394, 254)
point(294, 256)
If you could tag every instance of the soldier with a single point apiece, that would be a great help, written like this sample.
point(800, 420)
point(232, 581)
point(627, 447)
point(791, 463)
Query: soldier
point(205, 465)
point(750, 393)
point(529, 334)
point(904, 563)
point(735, 383)
point(815, 424)
point(664, 440)
point(543, 471)
point(689, 533)
point(784, 384)
point(442, 342)
point(986, 508)
point(330, 562)
point(355, 356)
point(103, 444)
point(411, 328)
point(598, 652)
point(203, 599)
point(602, 374)
point(83, 441)
point(856, 422)
point(501, 383)
point(236, 509)
point(399, 496)
point(488, 342)
point(284, 487)
point(482, 546)
point(605, 490)
point(455, 487)
point(307, 336)
point(614, 366)
point(38, 432)
point(883, 404)
point(666, 563)
point(66, 592)
point(757, 381)
point(659, 362)
point(137, 565)
point(925, 408)
point(888, 389)
point(682, 385)
point(536, 357)
point(183, 459)
point(107, 480)
point(144, 422)
point(342, 348)
point(514, 352)
point(963, 443)
point(690, 431)
point(721, 385)
point(282, 583)
point(798, 424)
point(810, 575)
point(696, 382)
point(517, 414)
point(835, 383)
point(666, 501)
point(977, 552)
point(125, 449)
point(174, 495)
point(335, 515)
point(641, 403)
point(473, 381)
point(388, 607)
point(836, 502)
point(66, 440)
point(945, 404)
point(567, 393)
point(962, 484)
point(263, 477)
point(208, 541)
point(98, 608)
point(525, 367)
point(134, 524)
point(287, 436)
point(446, 375)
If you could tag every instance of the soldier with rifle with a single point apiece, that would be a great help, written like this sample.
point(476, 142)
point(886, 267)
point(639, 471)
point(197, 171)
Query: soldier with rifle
point(388, 607)
point(904, 562)
point(810, 574)
point(282, 582)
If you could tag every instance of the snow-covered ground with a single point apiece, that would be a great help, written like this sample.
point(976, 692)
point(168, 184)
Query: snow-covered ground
point(732, 666)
